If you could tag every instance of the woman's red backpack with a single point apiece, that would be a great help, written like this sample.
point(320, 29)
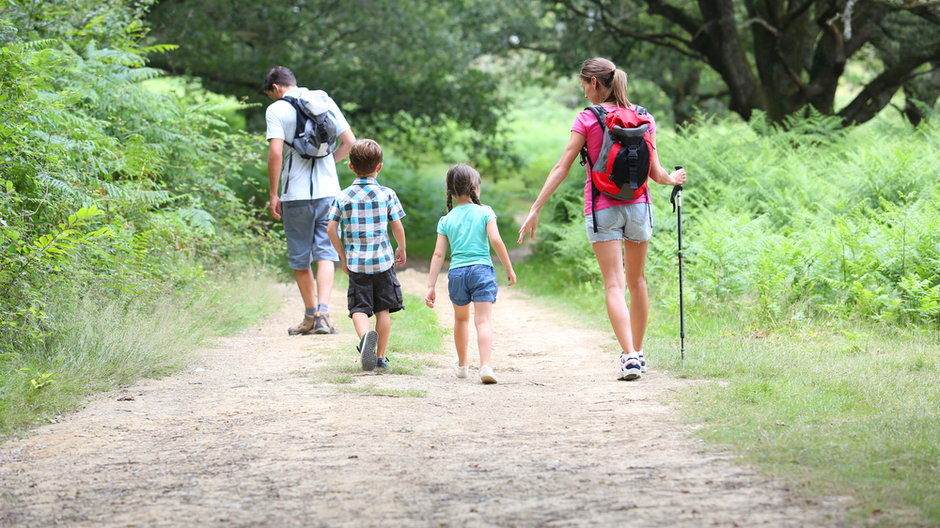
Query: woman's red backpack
point(622, 169)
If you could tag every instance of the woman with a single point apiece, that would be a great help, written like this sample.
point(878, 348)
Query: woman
point(621, 239)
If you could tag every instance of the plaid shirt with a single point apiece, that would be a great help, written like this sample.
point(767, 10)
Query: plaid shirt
point(364, 210)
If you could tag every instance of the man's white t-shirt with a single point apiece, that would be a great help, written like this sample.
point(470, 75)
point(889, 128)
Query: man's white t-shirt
point(296, 172)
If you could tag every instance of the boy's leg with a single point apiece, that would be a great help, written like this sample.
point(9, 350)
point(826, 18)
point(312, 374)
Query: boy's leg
point(361, 323)
point(383, 325)
point(462, 333)
point(482, 313)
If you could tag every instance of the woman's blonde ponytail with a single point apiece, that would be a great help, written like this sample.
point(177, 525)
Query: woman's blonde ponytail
point(618, 89)
point(608, 76)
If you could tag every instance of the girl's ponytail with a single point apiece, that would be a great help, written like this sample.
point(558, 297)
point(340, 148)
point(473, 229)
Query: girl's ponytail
point(462, 180)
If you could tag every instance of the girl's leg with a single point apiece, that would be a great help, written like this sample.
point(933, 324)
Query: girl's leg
point(482, 312)
point(361, 323)
point(462, 333)
point(634, 258)
point(383, 325)
point(610, 259)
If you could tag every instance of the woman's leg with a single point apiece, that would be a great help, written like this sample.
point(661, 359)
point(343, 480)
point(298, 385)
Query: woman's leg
point(462, 333)
point(610, 258)
point(634, 258)
point(482, 311)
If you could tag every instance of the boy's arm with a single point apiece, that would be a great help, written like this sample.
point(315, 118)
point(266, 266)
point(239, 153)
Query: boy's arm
point(497, 241)
point(440, 249)
point(398, 231)
point(332, 231)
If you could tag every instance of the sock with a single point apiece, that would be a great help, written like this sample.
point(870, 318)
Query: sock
point(639, 352)
point(323, 308)
point(310, 311)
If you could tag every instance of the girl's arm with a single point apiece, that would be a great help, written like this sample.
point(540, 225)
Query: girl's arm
point(497, 242)
point(658, 173)
point(398, 231)
point(557, 175)
point(440, 249)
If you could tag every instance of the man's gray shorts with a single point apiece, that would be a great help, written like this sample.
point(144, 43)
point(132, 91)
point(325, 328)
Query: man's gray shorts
point(633, 222)
point(305, 224)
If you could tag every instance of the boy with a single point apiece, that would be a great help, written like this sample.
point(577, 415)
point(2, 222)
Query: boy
point(366, 210)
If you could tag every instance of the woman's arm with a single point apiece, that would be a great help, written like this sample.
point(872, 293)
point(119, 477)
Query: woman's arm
point(492, 231)
point(440, 249)
point(658, 173)
point(557, 175)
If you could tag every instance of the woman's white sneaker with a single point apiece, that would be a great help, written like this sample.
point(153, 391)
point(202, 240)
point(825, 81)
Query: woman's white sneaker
point(630, 368)
point(460, 372)
point(642, 361)
point(487, 375)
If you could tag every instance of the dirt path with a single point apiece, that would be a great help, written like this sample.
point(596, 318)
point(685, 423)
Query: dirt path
point(246, 439)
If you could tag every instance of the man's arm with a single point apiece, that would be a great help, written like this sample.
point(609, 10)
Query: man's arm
point(347, 139)
point(275, 162)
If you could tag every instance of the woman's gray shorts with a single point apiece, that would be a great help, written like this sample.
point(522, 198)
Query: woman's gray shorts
point(633, 222)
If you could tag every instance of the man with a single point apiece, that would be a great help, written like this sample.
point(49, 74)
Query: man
point(302, 191)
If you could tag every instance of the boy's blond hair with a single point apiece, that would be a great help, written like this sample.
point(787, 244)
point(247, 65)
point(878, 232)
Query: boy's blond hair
point(365, 156)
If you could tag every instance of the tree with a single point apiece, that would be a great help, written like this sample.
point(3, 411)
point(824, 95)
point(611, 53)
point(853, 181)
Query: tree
point(399, 69)
point(778, 56)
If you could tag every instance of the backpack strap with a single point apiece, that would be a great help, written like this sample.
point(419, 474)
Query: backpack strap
point(600, 113)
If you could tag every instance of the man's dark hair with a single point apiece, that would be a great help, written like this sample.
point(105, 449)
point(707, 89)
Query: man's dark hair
point(281, 76)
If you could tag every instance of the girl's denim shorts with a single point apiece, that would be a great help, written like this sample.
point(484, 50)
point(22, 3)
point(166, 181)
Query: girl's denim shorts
point(633, 222)
point(476, 283)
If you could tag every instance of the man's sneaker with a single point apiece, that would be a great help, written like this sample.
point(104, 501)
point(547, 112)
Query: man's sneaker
point(322, 324)
point(487, 375)
point(303, 328)
point(642, 362)
point(460, 372)
point(367, 349)
point(381, 363)
point(629, 367)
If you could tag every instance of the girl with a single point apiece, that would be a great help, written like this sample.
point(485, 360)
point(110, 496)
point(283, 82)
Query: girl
point(470, 228)
point(623, 228)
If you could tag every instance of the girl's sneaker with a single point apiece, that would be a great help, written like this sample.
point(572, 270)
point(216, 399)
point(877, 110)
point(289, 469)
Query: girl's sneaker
point(460, 372)
point(642, 362)
point(487, 375)
point(381, 363)
point(630, 368)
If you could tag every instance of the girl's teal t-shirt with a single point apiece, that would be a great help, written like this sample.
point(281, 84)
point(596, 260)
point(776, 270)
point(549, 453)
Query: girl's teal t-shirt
point(465, 229)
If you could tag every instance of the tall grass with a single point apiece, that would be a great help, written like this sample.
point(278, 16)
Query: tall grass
point(105, 340)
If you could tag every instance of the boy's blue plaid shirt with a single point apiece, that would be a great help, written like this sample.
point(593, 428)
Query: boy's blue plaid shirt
point(364, 210)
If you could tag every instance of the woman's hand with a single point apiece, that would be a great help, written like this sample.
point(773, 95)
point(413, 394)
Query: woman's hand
point(677, 177)
point(528, 226)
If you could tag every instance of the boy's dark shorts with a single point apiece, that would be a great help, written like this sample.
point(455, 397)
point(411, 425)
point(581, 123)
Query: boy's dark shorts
point(369, 293)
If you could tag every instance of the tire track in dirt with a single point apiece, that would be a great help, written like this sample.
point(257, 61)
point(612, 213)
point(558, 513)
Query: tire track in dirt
point(247, 438)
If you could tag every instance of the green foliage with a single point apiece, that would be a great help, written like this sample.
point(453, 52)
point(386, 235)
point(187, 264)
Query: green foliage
point(107, 183)
point(406, 83)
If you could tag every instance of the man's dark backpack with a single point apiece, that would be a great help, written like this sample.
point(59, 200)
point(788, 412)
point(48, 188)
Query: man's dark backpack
point(315, 133)
point(623, 166)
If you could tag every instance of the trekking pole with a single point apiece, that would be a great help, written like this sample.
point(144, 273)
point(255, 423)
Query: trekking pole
point(676, 200)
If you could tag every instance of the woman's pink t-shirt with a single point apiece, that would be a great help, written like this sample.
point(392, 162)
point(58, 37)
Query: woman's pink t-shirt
point(586, 125)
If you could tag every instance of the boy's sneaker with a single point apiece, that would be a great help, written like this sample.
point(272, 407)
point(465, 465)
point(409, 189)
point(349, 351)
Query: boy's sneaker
point(460, 372)
point(304, 327)
point(642, 362)
point(381, 363)
point(487, 375)
point(322, 324)
point(367, 349)
point(629, 367)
